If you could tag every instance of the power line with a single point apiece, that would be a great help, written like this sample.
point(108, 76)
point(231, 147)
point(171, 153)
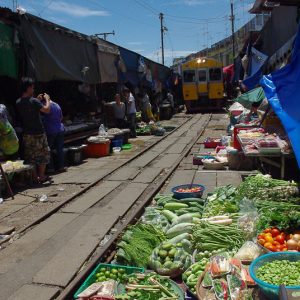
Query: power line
point(147, 7)
point(45, 7)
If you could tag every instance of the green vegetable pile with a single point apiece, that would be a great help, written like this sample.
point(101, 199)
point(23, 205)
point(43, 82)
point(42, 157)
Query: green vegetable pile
point(264, 187)
point(137, 244)
point(169, 259)
point(150, 287)
point(222, 201)
point(192, 274)
point(118, 274)
point(209, 237)
point(280, 272)
point(283, 215)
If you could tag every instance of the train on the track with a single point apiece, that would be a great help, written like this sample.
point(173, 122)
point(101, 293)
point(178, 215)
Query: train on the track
point(202, 84)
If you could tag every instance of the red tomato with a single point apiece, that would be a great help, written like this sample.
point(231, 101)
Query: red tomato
point(280, 239)
point(275, 243)
point(260, 236)
point(272, 248)
point(268, 230)
point(275, 232)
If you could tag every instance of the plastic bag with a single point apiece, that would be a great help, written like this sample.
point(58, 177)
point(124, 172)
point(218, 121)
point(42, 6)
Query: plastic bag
point(154, 217)
point(249, 218)
point(236, 286)
point(248, 252)
point(169, 260)
point(102, 131)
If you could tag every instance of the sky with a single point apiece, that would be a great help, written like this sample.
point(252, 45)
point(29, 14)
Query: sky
point(191, 25)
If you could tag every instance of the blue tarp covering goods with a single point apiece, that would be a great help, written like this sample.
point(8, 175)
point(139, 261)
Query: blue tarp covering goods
point(282, 88)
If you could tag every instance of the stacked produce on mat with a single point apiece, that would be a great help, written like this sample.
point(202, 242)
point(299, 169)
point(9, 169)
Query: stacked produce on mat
point(238, 243)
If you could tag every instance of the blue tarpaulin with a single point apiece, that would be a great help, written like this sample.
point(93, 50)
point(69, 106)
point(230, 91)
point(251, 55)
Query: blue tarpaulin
point(257, 60)
point(282, 88)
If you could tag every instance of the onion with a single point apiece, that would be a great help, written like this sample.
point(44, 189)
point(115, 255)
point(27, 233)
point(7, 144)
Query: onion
point(296, 237)
point(292, 244)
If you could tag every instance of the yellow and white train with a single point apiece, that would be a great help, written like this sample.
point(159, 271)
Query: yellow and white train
point(202, 84)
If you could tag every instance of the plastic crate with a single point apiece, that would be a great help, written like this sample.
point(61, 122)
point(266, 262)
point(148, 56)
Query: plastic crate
point(272, 291)
point(92, 277)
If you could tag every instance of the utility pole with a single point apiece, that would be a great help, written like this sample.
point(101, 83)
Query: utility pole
point(14, 5)
point(105, 34)
point(232, 17)
point(162, 29)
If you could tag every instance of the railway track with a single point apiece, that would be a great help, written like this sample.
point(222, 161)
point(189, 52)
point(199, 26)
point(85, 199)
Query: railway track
point(110, 204)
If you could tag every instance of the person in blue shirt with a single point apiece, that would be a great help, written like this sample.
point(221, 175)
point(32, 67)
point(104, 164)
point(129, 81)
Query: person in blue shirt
point(55, 134)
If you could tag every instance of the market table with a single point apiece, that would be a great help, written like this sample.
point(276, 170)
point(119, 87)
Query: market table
point(267, 157)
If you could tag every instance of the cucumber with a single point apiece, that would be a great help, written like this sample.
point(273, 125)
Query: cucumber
point(169, 215)
point(175, 206)
point(179, 229)
point(177, 239)
point(185, 218)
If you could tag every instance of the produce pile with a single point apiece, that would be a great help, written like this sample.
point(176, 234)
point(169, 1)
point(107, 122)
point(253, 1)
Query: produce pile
point(208, 241)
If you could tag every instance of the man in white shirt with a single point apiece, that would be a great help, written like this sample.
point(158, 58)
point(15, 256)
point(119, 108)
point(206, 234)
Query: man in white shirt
point(130, 111)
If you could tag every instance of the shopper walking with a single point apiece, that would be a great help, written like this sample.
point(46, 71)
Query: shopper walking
point(36, 149)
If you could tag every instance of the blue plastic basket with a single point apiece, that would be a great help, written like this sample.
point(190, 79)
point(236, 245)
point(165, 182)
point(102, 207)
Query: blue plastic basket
point(178, 195)
point(272, 291)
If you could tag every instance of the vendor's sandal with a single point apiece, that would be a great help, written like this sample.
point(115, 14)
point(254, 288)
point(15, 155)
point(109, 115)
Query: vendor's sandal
point(45, 179)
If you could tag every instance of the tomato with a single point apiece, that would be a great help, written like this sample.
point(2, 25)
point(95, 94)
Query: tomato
point(284, 249)
point(260, 236)
point(280, 239)
point(275, 232)
point(275, 243)
point(269, 239)
point(271, 248)
point(262, 241)
point(268, 230)
point(267, 245)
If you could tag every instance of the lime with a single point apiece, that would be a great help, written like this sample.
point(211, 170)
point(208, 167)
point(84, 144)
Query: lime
point(114, 271)
point(107, 273)
point(122, 271)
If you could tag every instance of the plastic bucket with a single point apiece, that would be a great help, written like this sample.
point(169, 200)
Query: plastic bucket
point(117, 143)
point(97, 149)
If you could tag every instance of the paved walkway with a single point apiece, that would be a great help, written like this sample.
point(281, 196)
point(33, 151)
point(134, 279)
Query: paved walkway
point(44, 260)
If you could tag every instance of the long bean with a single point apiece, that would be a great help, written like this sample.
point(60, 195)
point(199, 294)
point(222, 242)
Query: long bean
point(208, 236)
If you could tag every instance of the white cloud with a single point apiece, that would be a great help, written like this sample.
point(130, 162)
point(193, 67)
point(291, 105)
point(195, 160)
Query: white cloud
point(76, 10)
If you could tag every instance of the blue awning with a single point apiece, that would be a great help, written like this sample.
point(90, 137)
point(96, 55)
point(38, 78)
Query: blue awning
point(282, 88)
point(257, 60)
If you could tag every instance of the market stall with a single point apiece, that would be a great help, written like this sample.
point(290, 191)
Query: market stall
point(187, 247)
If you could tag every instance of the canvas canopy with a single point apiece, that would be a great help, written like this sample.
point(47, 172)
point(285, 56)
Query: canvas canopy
point(56, 54)
point(255, 95)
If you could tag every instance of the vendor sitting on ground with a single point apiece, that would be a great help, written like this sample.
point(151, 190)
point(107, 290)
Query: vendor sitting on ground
point(146, 108)
point(119, 112)
point(9, 143)
point(55, 134)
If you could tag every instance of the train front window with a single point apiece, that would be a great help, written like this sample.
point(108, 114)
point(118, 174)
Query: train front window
point(215, 74)
point(189, 76)
point(202, 75)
